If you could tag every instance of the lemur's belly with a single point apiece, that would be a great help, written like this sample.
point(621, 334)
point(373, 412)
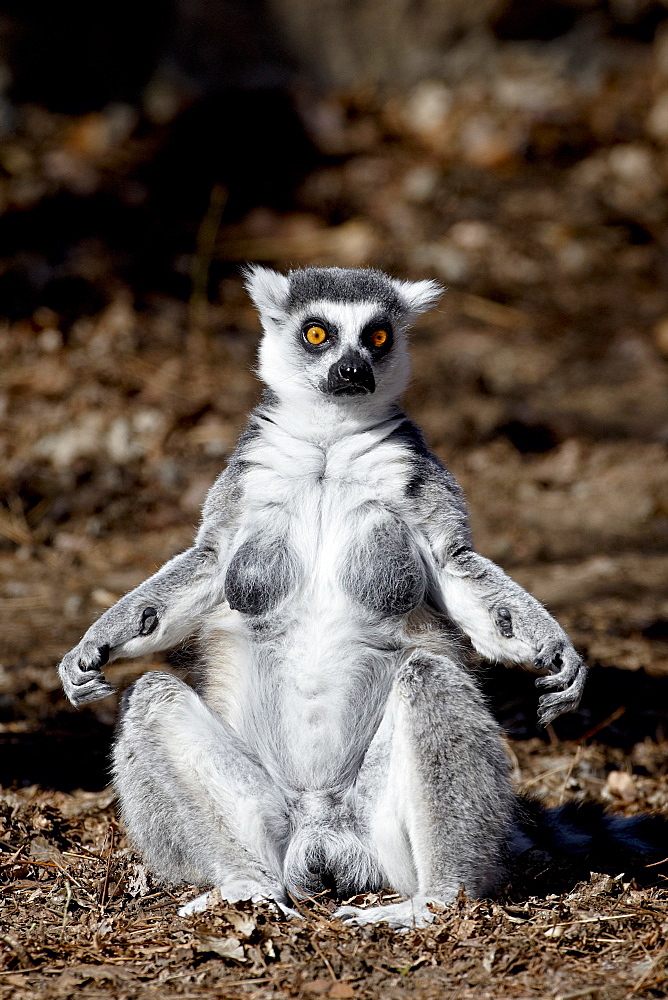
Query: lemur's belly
point(321, 614)
point(315, 702)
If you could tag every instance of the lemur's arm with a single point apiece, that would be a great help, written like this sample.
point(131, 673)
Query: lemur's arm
point(503, 622)
point(164, 609)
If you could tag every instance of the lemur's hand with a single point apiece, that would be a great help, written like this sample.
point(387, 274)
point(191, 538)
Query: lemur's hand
point(80, 670)
point(566, 678)
point(81, 674)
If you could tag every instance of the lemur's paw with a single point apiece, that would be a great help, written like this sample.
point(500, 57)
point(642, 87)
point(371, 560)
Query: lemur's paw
point(402, 917)
point(566, 680)
point(235, 893)
point(199, 904)
point(278, 907)
point(81, 675)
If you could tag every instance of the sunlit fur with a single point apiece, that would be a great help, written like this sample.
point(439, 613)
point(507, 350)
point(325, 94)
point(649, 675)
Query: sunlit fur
point(338, 740)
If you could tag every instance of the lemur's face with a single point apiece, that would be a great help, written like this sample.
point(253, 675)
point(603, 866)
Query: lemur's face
point(336, 334)
point(342, 350)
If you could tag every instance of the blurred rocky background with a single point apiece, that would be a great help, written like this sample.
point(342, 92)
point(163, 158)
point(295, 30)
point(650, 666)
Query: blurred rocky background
point(516, 151)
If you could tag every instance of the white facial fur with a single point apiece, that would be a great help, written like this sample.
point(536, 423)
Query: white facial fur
point(296, 375)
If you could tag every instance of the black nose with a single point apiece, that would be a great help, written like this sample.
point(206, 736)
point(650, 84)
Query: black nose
point(351, 372)
point(351, 376)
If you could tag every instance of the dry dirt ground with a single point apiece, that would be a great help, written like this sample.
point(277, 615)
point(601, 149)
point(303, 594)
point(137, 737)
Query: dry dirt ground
point(537, 193)
point(81, 914)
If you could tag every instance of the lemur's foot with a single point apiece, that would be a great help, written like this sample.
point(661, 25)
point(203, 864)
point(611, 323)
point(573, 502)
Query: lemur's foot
point(566, 678)
point(234, 894)
point(199, 904)
point(81, 674)
point(402, 917)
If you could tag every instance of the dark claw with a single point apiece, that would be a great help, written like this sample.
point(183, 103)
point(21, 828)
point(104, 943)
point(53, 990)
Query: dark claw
point(149, 621)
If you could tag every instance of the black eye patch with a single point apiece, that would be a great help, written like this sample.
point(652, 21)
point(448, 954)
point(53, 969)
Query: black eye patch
point(378, 338)
point(317, 335)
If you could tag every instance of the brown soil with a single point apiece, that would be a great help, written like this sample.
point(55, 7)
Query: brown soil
point(81, 914)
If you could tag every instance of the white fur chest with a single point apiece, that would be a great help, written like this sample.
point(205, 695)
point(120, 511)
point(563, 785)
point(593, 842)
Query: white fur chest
point(317, 500)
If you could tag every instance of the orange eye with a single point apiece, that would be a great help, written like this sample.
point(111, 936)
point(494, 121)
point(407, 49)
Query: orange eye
point(378, 338)
point(316, 335)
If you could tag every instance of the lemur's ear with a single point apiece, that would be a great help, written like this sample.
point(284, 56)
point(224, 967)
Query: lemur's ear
point(418, 296)
point(268, 289)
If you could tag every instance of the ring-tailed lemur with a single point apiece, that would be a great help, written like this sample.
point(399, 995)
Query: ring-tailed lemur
point(338, 740)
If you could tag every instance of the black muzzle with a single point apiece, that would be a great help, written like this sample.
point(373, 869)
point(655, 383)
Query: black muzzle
point(351, 376)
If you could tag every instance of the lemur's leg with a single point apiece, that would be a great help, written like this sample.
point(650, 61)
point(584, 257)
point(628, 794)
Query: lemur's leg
point(435, 793)
point(196, 803)
point(156, 615)
point(506, 623)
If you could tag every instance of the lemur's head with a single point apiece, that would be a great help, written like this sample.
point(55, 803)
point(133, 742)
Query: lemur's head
point(337, 334)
